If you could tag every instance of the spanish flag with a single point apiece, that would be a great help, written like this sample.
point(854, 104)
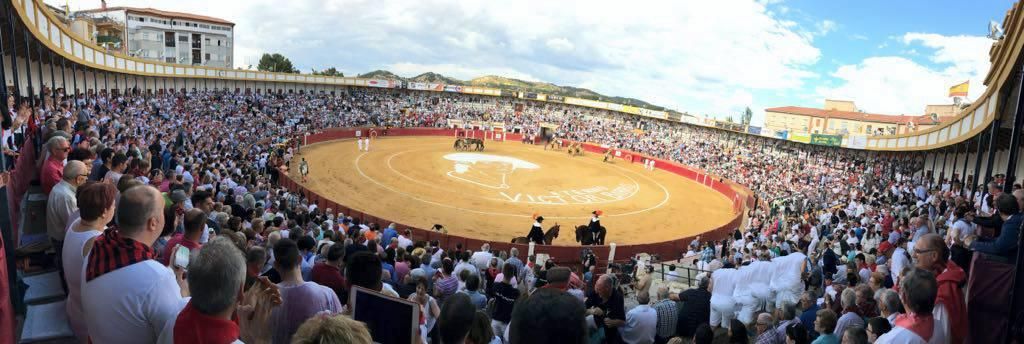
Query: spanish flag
point(959, 90)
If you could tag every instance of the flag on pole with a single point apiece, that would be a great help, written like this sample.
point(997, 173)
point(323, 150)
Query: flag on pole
point(959, 90)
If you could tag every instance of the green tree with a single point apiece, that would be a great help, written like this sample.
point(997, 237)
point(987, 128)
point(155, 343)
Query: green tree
point(276, 63)
point(747, 115)
point(329, 72)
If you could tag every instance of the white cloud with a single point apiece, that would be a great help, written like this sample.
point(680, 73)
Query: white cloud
point(900, 85)
point(824, 27)
point(859, 37)
point(695, 56)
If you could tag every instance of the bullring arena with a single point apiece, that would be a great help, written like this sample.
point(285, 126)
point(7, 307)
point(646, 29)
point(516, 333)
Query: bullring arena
point(416, 178)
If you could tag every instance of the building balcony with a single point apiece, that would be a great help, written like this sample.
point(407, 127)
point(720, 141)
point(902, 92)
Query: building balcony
point(108, 39)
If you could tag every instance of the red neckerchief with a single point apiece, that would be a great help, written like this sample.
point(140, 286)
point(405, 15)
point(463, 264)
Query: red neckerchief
point(192, 326)
point(921, 325)
point(111, 251)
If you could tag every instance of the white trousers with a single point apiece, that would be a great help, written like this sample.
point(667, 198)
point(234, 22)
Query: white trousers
point(722, 311)
point(359, 142)
point(748, 306)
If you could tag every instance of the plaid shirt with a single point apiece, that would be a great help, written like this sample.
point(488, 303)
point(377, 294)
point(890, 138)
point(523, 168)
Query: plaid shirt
point(707, 255)
point(668, 317)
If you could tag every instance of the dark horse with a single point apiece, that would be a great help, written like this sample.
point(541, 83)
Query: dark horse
point(549, 236)
point(585, 237)
point(466, 144)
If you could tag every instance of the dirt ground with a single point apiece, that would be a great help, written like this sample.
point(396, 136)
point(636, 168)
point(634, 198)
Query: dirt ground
point(492, 194)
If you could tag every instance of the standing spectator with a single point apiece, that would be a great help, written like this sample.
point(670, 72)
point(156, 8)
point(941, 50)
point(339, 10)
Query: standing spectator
point(641, 322)
point(737, 332)
point(428, 306)
point(203, 200)
point(445, 284)
point(810, 308)
point(457, 314)
point(548, 316)
point(696, 307)
point(950, 311)
point(117, 169)
point(300, 299)
point(328, 273)
point(473, 290)
point(364, 269)
point(481, 258)
point(917, 291)
point(1005, 245)
point(53, 167)
point(216, 281)
point(505, 296)
point(855, 335)
point(96, 201)
point(128, 296)
point(889, 305)
point(668, 315)
point(61, 203)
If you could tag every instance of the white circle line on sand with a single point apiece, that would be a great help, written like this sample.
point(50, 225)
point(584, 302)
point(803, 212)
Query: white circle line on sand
point(636, 185)
point(389, 188)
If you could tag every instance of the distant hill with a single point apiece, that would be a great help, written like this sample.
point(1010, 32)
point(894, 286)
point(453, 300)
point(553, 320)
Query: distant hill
point(516, 85)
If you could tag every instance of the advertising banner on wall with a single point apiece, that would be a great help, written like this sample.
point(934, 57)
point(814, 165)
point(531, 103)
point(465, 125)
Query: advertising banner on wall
point(826, 140)
point(653, 113)
point(381, 83)
point(554, 98)
point(507, 93)
point(426, 86)
point(754, 130)
point(800, 137)
point(782, 134)
point(857, 141)
point(530, 95)
point(452, 88)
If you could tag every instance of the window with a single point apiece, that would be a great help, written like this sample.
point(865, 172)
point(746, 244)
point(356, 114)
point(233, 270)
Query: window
point(169, 60)
point(207, 57)
point(218, 42)
point(207, 41)
point(183, 38)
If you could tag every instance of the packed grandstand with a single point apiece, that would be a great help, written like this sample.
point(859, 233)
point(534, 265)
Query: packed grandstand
point(175, 216)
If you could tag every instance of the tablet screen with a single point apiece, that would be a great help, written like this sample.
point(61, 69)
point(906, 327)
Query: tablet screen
point(390, 320)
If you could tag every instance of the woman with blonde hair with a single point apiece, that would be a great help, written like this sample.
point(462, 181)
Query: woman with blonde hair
point(332, 329)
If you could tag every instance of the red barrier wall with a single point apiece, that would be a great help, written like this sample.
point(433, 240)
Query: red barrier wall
point(671, 249)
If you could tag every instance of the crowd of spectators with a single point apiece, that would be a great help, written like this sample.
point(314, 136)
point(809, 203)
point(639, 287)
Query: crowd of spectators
point(170, 226)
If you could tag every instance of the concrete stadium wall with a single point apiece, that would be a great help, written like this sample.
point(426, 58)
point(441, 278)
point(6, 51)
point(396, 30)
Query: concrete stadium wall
point(562, 254)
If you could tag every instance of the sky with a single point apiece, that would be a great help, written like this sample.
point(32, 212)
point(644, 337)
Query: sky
point(712, 58)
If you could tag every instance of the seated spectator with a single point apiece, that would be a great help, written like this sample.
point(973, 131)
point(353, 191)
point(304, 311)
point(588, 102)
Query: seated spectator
point(456, 319)
point(809, 314)
point(641, 321)
point(855, 335)
point(796, 333)
point(850, 317)
point(216, 280)
point(825, 325)
point(96, 209)
point(300, 299)
point(548, 316)
point(328, 273)
point(61, 203)
point(607, 306)
point(195, 224)
point(765, 331)
point(332, 329)
point(877, 326)
point(129, 297)
point(917, 291)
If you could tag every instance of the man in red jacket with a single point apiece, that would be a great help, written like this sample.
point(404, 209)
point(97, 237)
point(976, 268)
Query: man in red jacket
point(950, 312)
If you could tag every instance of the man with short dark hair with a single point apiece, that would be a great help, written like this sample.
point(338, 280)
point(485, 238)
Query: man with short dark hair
point(203, 200)
point(129, 296)
point(328, 273)
point(195, 223)
point(549, 316)
point(300, 299)
point(364, 269)
point(456, 319)
point(1005, 245)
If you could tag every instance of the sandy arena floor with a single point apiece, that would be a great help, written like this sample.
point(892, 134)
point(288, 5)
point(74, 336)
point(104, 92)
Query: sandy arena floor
point(490, 195)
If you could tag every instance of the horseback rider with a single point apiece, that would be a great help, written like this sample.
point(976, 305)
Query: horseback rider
point(607, 155)
point(595, 226)
point(537, 232)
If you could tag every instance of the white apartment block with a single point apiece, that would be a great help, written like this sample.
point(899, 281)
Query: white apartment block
point(174, 37)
